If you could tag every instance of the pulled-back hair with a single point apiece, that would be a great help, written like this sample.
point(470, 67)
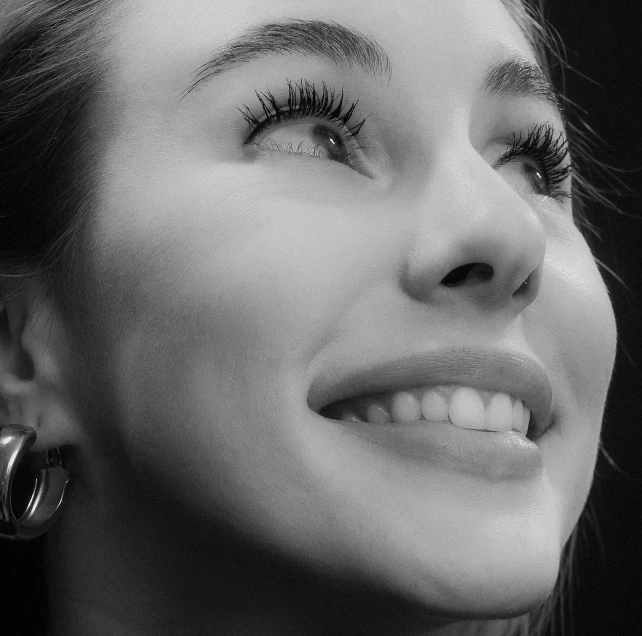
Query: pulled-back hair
point(51, 66)
point(50, 70)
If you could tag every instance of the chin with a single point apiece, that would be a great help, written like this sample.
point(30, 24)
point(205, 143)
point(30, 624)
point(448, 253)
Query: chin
point(492, 583)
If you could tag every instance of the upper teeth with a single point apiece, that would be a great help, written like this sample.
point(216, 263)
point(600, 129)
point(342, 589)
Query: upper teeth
point(463, 406)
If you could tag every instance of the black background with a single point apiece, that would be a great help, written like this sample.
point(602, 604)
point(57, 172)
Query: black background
point(602, 40)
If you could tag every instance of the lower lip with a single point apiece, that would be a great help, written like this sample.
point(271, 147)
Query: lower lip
point(488, 454)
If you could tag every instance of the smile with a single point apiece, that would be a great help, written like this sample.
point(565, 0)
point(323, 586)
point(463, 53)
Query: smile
point(464, 407)
point(470, 387)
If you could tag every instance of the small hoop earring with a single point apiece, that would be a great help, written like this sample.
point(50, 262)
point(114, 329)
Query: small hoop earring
point(45, 500)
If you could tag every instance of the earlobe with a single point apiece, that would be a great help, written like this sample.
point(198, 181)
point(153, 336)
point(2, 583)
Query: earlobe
point(16, 370)
point(34, 391)
point(18, 402)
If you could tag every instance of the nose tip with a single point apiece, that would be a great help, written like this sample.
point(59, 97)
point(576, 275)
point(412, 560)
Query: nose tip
point(501, 271)
point(476, 240)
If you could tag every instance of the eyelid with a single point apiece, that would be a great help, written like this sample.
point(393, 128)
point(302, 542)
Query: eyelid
point(330, 107)
point(304, 100)
point(548, 147)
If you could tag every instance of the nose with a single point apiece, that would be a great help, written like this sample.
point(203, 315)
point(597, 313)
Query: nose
point(476, 239)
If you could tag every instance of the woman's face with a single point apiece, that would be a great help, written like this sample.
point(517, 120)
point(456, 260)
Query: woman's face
point(262, 249)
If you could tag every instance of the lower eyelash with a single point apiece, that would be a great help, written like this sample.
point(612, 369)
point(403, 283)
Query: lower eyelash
point(315, 151)
point(270, 144)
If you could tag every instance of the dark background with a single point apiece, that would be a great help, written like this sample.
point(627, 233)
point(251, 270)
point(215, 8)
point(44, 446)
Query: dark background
point(603, 43)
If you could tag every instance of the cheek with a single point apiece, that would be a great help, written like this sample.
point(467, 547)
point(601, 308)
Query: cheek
point(192, 268)
point(578, 339)
point(243, 260)
point(584, 323)
point(219, 298)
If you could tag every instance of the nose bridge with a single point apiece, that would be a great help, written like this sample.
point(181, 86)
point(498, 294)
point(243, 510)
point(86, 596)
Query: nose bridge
point(476, 237)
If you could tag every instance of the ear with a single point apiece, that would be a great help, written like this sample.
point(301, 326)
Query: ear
point(34, 369)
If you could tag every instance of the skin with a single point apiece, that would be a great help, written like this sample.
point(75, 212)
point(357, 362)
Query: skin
point(216, 284)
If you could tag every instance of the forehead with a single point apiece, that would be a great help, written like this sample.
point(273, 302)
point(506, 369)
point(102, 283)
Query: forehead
point(159, 43)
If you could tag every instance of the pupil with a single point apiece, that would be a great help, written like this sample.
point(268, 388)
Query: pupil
point(541, 186)
point(333, 144)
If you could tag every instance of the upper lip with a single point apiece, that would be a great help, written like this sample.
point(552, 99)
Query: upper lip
point(512, 372)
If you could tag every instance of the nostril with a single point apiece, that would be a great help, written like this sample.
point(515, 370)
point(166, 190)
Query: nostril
point(467, 274)
point(524, 288)
point(457, 275)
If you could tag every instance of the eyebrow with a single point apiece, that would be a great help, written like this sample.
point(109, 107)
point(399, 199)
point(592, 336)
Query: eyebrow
point(329, 40)
point(514, 77)
point(518, 77)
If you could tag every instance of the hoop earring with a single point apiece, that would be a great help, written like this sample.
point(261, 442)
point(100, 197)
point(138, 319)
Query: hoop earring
point(46, 498)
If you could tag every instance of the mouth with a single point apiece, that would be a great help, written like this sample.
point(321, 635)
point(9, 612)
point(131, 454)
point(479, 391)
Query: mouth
point(468, 388)
point(462, 406)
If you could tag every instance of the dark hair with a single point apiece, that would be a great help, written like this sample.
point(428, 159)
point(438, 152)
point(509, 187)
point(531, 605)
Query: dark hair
point(51, 65)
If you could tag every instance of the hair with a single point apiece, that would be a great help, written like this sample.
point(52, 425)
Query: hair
point(51, 66)
point(50, 69)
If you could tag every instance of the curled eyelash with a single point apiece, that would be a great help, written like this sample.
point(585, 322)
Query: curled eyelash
point(548, 151)
point(304, 100)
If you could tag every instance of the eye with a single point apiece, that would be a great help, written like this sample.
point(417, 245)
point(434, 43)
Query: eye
point(524, 176)
point(537, 176)
point(314, 122)
point(538, 164)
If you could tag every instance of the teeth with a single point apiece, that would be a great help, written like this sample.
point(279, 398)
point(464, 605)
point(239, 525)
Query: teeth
point(525, 420)
point(404, 407)
point(464, 407)
point(499, 413)
point(467, 409)
point(378, 414)
point(518, 415)
point(434, 407)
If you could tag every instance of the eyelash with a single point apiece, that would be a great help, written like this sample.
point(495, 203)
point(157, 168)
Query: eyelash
point(541, 145)
point(548, 151)
point(304, 100)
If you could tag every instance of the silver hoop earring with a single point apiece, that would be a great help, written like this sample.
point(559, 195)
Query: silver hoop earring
point(44, 502)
